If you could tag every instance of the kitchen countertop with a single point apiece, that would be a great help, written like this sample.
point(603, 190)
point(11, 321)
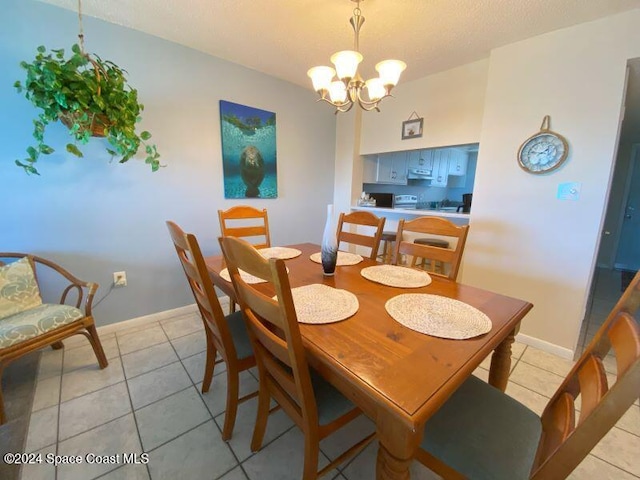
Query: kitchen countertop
point(413, 211)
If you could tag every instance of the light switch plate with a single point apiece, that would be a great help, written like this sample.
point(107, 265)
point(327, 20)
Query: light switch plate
point(569, 191)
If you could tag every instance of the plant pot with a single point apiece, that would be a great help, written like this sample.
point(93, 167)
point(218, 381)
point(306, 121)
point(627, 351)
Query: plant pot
point(98, 123)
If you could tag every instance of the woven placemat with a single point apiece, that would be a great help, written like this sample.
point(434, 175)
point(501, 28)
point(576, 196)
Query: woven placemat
point(283, 253)
point(317, 304)
point(438, 316)
point(396, 276)
point(344, 258)
point(244, 275)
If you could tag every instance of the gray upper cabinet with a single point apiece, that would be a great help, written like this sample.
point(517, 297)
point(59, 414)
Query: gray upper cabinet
point(440, 167)
point(434, 164)
point(390, 168)
point(458, 160)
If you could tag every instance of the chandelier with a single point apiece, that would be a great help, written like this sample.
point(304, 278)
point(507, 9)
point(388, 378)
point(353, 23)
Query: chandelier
point(348, 89)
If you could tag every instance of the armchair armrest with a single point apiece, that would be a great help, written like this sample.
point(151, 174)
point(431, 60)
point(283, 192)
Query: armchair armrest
point(82, 287)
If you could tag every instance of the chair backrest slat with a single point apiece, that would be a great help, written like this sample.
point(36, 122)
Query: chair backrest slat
point(602, 404)
point(593, 385)
point(624, 342)
point(361, 219)
point(440, 227)
point(233, 223)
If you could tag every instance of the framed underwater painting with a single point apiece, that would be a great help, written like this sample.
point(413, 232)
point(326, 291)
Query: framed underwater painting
point(248, 151)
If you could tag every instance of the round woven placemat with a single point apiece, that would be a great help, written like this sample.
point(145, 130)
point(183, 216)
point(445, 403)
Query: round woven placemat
point(283, 253)
point(396, 276)
point(317, 304)
point(244, 275)
point(344, 258)
point(438, 316)
point(248, 278)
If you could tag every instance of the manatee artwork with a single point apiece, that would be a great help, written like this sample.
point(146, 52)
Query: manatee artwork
point(249, 153)
point(251, 170)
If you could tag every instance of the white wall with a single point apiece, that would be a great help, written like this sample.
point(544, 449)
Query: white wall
point(96, 218)
point(450, 102)
point(523, 241)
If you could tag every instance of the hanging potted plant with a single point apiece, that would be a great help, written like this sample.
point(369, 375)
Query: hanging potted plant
point(88, 95)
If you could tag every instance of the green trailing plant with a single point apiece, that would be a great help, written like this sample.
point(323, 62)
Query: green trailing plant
point(91, 97)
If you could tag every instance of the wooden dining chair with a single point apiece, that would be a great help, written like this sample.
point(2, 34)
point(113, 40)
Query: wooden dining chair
point(482, 433)
point(439, 260)
point(226, 335)
point(27, 323)
point(314, 405)
point(247, 222)
point(357, 219)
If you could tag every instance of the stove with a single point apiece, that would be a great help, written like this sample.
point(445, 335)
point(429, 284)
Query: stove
point(405, 201)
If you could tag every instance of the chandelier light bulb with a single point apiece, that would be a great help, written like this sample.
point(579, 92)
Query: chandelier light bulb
point(375, 88)
point(321, 77)
point(390, 71)
point(338, 92)
point(346, 63)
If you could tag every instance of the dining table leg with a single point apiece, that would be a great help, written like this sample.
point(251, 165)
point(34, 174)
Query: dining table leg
point(398, 444)
point(501, 361)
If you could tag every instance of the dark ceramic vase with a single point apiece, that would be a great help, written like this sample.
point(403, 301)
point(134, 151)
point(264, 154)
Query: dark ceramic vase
point(329, 249)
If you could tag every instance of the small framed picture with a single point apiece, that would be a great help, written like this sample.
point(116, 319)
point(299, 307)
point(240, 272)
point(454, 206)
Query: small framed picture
point(412, 128)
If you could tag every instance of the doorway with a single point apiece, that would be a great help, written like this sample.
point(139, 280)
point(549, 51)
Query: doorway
point(619, 251)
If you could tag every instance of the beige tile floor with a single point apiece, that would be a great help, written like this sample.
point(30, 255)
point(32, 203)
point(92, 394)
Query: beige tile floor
point(148, 400)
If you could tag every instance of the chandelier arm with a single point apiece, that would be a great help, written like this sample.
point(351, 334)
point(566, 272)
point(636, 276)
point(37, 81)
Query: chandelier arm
point(339, 107)
point(371, 104)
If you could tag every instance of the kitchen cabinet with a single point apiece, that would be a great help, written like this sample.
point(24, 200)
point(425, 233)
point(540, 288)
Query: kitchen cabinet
point(389, 168)
point(420, 159)
point(440, 167)
point(458, 160)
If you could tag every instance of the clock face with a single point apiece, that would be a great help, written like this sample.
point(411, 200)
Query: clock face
point(543, 152)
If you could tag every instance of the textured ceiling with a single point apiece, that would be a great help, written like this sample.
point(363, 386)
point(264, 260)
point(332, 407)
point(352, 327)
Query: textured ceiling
point(284, 38)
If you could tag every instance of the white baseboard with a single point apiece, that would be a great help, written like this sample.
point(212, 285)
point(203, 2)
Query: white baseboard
point(156, 317)
point(545, 346)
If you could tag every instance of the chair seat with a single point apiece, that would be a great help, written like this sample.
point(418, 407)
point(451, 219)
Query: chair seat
point(484, 434)
point(34, 322)
point(388, 236)
point(434, 242)
point(331, 404)
point(240, 335)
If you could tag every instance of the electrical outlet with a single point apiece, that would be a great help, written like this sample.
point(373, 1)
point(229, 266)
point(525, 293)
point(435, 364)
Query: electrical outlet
point(119, 279)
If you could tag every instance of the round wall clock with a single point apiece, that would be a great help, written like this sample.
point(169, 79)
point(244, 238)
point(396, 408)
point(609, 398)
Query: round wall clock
point(543, 152)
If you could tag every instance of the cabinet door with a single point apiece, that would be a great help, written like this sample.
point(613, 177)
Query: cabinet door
point(458, 162)
point(399, 173)
point(392, 168)
point(385, 168)
point(440, 168)
point(417, 159)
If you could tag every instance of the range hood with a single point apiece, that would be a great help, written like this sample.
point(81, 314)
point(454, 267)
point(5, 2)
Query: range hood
point(419, 173)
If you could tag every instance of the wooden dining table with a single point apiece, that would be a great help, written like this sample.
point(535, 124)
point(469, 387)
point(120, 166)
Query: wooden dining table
point(397, 376)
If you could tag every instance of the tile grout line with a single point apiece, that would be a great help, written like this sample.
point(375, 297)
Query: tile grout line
point(133, 412)
point(212, 418)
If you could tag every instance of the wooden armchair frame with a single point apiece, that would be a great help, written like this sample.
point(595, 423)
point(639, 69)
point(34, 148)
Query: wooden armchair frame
point(84, 326)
